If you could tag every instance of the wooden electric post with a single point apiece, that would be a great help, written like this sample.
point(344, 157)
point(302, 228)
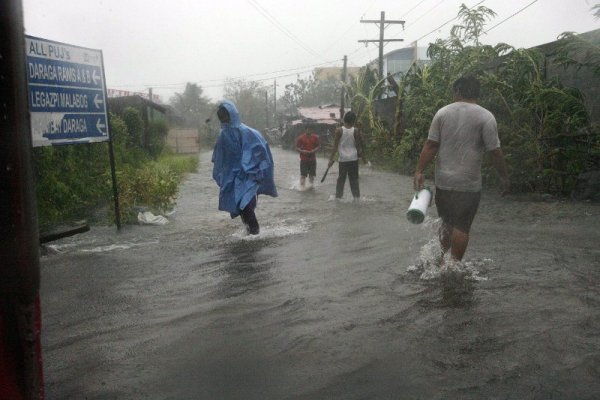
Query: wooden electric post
point(382, 25)
point(343, 95)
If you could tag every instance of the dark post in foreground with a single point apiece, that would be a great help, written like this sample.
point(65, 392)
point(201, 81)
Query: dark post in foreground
point(20, 319)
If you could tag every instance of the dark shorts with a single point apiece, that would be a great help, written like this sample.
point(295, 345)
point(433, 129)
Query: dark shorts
point(308, 168)
point(457, 209)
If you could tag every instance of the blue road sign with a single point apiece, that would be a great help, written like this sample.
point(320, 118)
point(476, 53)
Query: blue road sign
point(67, 93)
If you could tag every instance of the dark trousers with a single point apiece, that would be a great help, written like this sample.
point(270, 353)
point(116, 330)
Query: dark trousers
point(349, 168)
point(249, 217)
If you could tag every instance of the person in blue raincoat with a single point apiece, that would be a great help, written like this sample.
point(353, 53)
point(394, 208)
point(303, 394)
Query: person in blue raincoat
point(243, 167)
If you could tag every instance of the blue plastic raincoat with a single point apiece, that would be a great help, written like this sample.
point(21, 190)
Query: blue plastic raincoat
point(243, 164)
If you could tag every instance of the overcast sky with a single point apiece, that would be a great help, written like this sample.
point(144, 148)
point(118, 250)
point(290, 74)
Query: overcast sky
point(164, 44)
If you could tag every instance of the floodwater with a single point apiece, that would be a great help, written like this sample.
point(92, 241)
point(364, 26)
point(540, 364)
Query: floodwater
point(333, 300)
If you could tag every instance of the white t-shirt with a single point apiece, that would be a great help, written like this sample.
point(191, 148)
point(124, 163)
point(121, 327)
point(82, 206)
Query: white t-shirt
point(464, 131)
point(347, 146)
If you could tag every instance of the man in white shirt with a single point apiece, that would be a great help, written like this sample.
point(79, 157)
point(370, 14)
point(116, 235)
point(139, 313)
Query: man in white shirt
point(459, 135)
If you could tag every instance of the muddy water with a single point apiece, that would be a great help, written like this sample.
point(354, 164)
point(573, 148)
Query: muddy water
point(333, 300)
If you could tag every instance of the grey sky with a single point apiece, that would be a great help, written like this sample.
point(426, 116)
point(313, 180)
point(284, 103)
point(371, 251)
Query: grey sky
point(163, 45)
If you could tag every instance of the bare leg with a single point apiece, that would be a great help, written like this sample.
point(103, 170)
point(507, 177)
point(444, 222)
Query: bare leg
point(444, 235)
point(302, 180)
point(460, 240)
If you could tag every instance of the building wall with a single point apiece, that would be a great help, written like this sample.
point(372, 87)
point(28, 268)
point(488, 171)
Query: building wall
point(183, 141)
point(583, 79)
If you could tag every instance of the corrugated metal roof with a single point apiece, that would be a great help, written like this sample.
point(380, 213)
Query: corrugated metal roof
point(322, 113)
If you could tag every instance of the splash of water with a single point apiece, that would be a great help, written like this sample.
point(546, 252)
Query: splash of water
point(432, 264)
point(349, 199)
point(280, 229)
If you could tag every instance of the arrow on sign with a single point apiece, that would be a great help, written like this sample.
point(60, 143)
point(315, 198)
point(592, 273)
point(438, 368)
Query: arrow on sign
point(100, 126)
point(98, 100)
point(95, 77)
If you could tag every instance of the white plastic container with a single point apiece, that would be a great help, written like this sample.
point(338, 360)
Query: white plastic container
point(418, 206)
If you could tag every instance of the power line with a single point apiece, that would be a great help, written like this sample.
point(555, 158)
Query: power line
point(409, 11)
point(447, 22)
point(298, 70)
point(426, 13)
point(267, 15)
point(507, 18)
point(349, 28)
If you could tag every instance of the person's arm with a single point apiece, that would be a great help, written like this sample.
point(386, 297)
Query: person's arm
point(500, 164)
point(318, 145)
point(430, 149)
point(336, 143)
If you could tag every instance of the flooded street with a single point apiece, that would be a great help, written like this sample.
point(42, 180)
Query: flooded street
point(333, 300)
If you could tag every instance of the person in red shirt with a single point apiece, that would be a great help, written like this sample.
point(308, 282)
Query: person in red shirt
point(308, 144)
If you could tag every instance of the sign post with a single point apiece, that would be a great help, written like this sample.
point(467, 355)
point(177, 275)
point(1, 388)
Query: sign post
point(67, 97)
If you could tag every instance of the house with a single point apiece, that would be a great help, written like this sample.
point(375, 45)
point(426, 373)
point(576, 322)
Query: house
point(398, 62)
point(149, 110)
point(178, 139)
point(326, 73)
point(323, 119)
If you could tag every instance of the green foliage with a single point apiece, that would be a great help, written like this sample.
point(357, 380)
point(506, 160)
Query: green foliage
point(574, 50)
point(543, 126)
point(135, 127)
point(180, 164)
point(311, 92)
point(74, 181)
point(154, 186)
point(473, 23)
point(124, 149)
point(67, 181)
point(157, 134)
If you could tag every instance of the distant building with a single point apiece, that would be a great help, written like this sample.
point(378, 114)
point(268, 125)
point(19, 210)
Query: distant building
point(584, 79)
point(398, 61)
point(323, 120)
point(149, 110)
point(323, 74)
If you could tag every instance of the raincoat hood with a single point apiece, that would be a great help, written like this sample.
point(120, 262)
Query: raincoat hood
point(234, 114)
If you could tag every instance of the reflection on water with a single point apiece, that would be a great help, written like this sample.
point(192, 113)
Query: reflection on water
point(332, 300)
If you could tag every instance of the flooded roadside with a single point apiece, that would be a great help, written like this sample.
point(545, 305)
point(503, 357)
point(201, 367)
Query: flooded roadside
point(333, 300)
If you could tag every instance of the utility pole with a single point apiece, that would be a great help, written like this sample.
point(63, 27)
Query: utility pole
point(275, 102)
point(382, 25)
point(267, 109)
point(344, 70)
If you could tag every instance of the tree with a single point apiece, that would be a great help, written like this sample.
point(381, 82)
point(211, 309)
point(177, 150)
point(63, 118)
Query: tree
point(311, 92)
point(249, 98)
point(473, 23)
point(192, 105)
